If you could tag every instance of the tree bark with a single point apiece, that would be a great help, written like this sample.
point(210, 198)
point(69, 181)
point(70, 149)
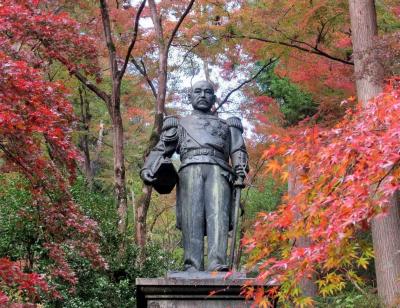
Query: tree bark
point(369, 78)
point(84, 138)
point(141, 216)
point(99, 146)
point(114, 106)
point(145, 198)
point(143, 202)
point(307, 284)
point(119, 170)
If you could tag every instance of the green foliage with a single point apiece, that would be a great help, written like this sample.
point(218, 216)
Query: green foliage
point(295, 104)
point(349, 299)
point(113, 287)
point(98, 204)
point(19, 235)
point(263, 199)
point(387, 20)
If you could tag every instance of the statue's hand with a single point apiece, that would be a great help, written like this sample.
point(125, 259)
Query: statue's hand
point(147, 176)
point(240, 171)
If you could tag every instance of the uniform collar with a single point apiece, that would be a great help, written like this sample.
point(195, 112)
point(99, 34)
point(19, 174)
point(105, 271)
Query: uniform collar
point(201, 113)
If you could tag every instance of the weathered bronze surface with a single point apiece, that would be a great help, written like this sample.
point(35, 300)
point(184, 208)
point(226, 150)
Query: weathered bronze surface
point(213, 155)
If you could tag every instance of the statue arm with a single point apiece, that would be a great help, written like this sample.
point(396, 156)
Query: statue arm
point(238, 152)
point(165, 147)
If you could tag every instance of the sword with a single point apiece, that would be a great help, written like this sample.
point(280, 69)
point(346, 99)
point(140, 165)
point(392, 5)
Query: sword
point(238, 185)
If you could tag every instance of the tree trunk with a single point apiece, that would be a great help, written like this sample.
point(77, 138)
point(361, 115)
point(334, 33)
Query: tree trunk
point(369, 78)
point(119, 169)
point(84, 138)
point(145, 198)
point(95, 164)
point(141, 216)
point(307, 285)
point(143, 202)
point(119, 157)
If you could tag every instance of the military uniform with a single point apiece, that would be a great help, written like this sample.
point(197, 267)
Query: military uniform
point(210, 150)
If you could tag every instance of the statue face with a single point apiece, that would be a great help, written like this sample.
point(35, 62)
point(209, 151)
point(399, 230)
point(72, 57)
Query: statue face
point(202, 96)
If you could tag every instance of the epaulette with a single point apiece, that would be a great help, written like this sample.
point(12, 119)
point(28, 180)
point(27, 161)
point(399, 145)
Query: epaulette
point(235, 122)
point(170, 122)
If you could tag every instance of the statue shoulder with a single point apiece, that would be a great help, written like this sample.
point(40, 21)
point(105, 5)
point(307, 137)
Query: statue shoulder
point(235, 122)
point(170, 122)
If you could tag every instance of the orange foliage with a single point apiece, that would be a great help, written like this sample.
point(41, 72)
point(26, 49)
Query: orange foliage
point(338, 167)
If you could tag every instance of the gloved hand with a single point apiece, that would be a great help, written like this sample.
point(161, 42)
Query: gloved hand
point(147, 176)
point(240, 172)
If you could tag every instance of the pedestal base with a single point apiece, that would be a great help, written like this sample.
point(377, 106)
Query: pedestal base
point(190, 293)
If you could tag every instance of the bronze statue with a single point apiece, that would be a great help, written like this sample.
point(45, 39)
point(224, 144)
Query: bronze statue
point(213, 156)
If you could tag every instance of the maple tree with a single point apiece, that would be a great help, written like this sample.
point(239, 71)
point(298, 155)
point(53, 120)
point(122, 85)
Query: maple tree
point(308, 43)
point(113, 99)
point(127, 46)
point(302, 34)
point(35, 125)
point(369, 72)
point(335, 202)
point(312, 40)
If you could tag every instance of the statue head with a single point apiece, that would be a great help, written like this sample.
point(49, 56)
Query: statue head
point(202, 96)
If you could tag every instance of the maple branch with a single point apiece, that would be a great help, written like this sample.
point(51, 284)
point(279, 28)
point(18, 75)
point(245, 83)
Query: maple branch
point(379, 182)
point(321, 34)
point(312, 49)
point(178, 24)
point(270, 62)
point(30, 175)
point(157, 215)
point(107, 33)
point(100, 93)
point(356, 285)
point(192, 47)
point(133, 41)
point(96, 90)
point(142, 70)
point(259, 166)
point(15, 159)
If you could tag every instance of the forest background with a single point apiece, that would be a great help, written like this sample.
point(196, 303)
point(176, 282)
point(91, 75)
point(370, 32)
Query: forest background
point(85, 86)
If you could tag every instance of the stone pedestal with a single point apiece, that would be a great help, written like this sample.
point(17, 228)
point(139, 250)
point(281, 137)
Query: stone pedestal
point(191, 292)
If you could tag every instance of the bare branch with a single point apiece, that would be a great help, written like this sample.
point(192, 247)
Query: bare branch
point(178, 24)
point(321, 34)
point(191, 49)
point(157, 215)
point(156, 22)
point(142, 70)
point(100, 93)
point(294, 44)
point(133, 41)
point(107, 33)
point(270, 62)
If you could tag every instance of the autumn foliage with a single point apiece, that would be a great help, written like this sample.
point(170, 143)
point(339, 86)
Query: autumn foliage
point(348, 175)
point(346, 168)
point(35, 128)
